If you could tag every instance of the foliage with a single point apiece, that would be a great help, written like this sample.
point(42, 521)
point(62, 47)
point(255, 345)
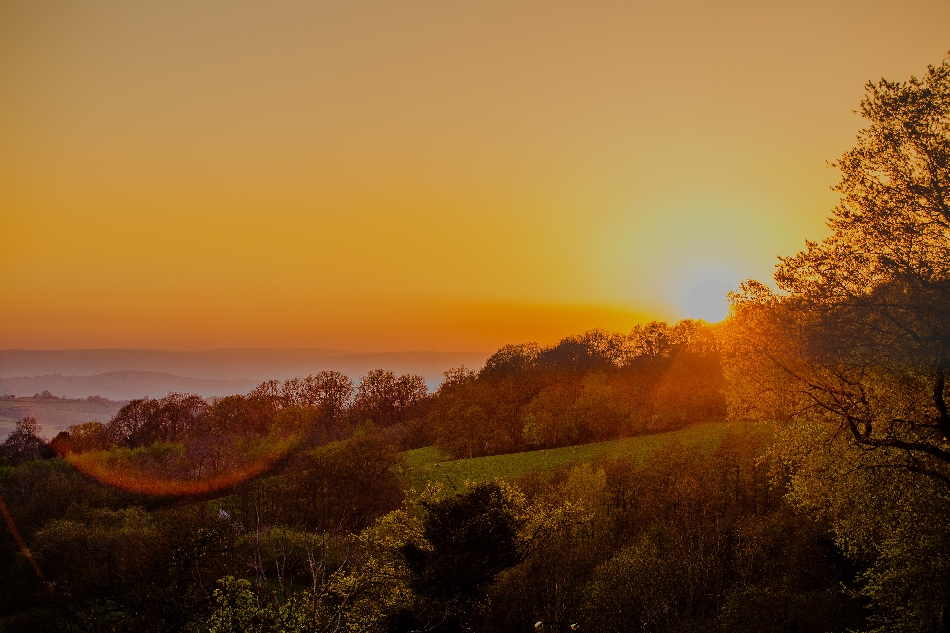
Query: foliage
point(467, 540)
point(890, 519)
point(863, 334)
point(594, 386)
point(344, 484)
point(856, 353)
point(387, 399)
point(571, 541)
point(429, 465)
point(23, 444)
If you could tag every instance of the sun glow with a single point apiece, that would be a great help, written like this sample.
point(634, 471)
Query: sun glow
point(424, 176)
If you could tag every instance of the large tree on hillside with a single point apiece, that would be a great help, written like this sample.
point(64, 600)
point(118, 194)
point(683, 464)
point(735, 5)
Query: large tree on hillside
point(856, 355)
point(865, 324)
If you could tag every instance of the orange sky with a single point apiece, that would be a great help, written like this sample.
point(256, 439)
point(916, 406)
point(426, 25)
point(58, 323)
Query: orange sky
point(416, 175)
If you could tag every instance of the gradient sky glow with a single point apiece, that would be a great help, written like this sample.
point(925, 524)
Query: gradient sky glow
point(416, 175)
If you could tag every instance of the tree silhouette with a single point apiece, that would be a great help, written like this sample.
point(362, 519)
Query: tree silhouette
point(863, 335)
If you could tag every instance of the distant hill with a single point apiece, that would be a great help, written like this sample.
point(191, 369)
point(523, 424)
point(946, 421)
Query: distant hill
point(55, 415)
point(122, 385)
point(243, 365)
point(221, 364)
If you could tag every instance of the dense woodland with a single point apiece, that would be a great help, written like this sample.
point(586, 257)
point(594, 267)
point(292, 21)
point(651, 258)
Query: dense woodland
point(287, 509)
point(327, 537)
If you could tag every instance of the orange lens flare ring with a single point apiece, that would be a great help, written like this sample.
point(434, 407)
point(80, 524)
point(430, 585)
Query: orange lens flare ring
point(128, 477)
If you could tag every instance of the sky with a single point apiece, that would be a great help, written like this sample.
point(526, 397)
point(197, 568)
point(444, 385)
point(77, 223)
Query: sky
point(417, 175)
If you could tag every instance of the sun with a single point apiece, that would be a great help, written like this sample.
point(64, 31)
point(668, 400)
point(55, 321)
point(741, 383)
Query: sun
point(707, 300)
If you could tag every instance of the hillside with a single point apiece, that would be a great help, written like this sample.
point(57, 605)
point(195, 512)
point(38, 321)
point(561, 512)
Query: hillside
point(427, 465)
point(123, 385)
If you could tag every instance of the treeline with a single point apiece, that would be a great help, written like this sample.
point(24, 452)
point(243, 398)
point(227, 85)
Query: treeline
point(46, 395)
point(316, 409)
point(591, 387)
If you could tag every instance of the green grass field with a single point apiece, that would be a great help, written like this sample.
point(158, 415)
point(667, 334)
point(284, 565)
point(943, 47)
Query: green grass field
point(425, 465)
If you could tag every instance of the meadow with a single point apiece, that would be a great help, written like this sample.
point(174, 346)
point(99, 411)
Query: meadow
point(431, 465)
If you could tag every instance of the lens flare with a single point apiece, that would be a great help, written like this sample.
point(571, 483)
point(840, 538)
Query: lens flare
point(137, 478)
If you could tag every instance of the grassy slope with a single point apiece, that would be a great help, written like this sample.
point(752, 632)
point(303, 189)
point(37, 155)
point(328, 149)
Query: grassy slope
point(422, 468)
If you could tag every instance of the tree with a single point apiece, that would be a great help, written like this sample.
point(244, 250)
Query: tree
point(23, 444)
point(170, 419)
point(347, 483)
point(89, 436)
point(550, 418)
point(314, 406)
point(245, 416)
point(387, 399)
point(329, 390)
point(130, 426)
point(856, 352)
point(654, 339)
point(469, 540)
point(866, 318)
point(597, 409)
point(511, 358)
point(472, 537)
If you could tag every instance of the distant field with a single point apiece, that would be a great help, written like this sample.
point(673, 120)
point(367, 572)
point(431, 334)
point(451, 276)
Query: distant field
point(54, 415)
point(426, 465)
